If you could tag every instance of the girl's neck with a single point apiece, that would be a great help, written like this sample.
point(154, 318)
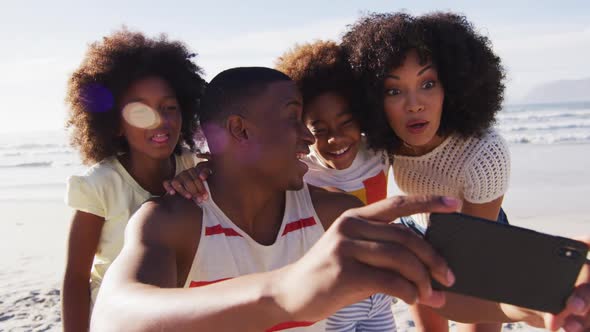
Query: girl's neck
point(149, 173)
point(415, 151)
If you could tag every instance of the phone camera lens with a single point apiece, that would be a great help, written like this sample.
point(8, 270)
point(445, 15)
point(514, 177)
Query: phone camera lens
point(568, 253)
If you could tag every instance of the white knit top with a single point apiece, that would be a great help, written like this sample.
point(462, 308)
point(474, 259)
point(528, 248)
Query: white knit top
point(474, 169)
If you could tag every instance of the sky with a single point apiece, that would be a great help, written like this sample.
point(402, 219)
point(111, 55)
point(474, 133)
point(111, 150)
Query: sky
point(42, 42)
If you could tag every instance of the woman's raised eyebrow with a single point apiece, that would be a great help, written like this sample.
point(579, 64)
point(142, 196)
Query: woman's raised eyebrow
point(423, 70)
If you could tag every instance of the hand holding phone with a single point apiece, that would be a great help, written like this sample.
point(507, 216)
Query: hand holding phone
point(505, 263)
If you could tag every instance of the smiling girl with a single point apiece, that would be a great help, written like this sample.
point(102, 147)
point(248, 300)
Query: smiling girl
point(132, 103)
point(339, 158)
point(433, 86)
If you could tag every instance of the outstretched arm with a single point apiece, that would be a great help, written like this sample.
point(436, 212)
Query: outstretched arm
point(355, 258)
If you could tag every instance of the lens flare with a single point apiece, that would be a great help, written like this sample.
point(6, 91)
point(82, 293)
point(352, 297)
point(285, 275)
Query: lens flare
point(97, 98)
point(140, 115)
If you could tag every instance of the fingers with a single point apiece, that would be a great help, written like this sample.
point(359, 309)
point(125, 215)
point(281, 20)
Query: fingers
point(579, 302)
point(179, 183)
point(197, 187)
point(204, 155)
point(168, 187)
point(393, 284)
point(406, 241)
point(574, 324)
point(397, 258)
point(203, 170)
point(575, 313)
point(190, 183)
point(390, 209)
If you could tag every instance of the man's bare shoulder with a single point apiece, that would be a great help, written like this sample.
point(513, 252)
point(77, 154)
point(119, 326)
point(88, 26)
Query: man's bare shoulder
point(171, 205)
point(330, 205)
point(167, 220)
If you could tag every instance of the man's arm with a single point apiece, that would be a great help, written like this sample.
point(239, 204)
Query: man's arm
point(345, 266)
point(359, 255)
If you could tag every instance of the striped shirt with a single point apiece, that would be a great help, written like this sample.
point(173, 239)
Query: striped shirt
point(371, 315)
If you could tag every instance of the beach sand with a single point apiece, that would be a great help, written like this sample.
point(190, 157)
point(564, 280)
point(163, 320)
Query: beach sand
point(549, 189)
point(33, 254)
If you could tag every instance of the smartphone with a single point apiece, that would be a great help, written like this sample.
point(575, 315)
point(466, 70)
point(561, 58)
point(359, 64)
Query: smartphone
point(411, 224)
point(505, 263)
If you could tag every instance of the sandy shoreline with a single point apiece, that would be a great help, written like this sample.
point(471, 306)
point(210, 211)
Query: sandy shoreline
point(549, 186)
point(33, 249)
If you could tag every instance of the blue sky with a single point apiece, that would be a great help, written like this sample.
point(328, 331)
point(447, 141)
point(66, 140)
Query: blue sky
point(43, 41)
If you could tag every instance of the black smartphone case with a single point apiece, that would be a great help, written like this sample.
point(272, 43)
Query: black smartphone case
point(505, 263)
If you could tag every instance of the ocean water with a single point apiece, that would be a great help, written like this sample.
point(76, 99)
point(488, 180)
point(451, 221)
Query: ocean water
point(545, 123)
point(35, 165)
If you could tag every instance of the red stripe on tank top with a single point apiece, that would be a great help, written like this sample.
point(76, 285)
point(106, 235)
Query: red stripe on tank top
point(289, 325)
point(205, 283)
point(217, 229)
point(278, 327)
point(299, 224)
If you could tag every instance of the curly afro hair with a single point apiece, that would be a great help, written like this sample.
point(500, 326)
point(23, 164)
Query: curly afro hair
point(108, 69)
point(318, 68)
point(471, 74)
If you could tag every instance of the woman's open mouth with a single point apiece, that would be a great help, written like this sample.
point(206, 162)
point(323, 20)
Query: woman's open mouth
point(417, 126)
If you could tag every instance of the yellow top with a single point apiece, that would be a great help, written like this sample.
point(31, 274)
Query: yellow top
point(107, 190)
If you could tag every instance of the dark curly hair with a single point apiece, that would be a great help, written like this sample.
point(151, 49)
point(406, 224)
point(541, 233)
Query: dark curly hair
point(471, 74)
point(318, 68)
point(108, 69)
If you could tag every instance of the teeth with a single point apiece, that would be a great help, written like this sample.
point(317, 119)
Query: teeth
point(301, 155)
point(341, 151)
point(160, 138)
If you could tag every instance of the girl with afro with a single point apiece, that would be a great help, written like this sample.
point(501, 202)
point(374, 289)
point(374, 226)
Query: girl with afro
point(132, 107)
point(432, 86)
point(339, 158)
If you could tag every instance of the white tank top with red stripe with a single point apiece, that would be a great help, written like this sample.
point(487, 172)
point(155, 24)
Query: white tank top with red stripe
point(225, 251)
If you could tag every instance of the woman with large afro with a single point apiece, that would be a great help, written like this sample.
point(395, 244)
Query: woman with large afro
point(432, 86)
